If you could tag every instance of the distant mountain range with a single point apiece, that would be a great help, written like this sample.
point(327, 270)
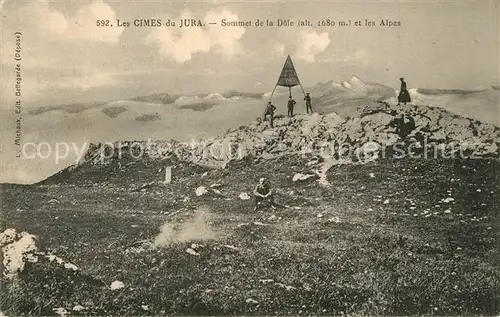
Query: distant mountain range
point(327, 97)
point(350, 92)
point(165, 98)
point(353, 85)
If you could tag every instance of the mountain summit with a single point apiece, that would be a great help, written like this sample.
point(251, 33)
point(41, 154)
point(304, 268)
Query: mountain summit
point(351, 92)
point(355, 84)
point(376, 132)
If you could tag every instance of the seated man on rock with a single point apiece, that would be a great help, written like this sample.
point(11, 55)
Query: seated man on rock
point(405, 126)
point(263, 192)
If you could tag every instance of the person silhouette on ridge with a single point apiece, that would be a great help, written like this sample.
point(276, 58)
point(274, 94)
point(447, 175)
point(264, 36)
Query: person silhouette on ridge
point(291, 104)
point(270, 111)
point(404, 95)
point(307, 98)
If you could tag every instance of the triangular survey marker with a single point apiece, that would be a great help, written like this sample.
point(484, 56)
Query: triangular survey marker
point(288, 77)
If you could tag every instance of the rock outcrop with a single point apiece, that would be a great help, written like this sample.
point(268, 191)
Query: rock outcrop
point(18, 249)
point(380, 131)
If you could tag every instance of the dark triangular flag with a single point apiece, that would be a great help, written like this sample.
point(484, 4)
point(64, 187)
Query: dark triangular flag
point(288, 77)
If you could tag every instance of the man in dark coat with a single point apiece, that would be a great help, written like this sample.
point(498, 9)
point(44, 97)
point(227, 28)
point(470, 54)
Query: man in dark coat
point(263, 192)
point(404, 95)
point(291, 104)
point(270, 111)
point(404, 125)
point(307, 98)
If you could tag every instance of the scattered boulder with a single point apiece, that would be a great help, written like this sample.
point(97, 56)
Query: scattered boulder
point(191, 251)
point(251, 301)
point(287, 287)
point(78, 308)
point(17, 249)
point(60, 311)
point(244, 196)
point(302, 177)
point(334, 219)
point(200, 191)
point(116, 285)
point(70, 266)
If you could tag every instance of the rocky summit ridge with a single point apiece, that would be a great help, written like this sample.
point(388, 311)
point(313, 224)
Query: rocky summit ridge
point(378, 131)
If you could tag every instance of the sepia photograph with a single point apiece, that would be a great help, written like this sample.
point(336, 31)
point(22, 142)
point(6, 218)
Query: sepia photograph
point(249, 158)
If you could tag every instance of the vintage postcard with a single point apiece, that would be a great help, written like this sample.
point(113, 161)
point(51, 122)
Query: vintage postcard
point(249, 158)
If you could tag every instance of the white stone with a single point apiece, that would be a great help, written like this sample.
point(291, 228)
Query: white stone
point(301, 177)
point(70, 266)
point(78, 308)
point(251, 301)
point(201, 191)
point(244, 196)
point(334, 219)
point(116, 285)
point(60, 311)
point(17, 248)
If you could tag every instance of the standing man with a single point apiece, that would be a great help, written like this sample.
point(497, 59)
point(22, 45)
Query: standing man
point(307, 98)
point(404, 95)
point(291, 104)
point(270, 111)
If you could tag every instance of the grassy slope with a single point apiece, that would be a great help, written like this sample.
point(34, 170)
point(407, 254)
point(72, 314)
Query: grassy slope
point(379, 259)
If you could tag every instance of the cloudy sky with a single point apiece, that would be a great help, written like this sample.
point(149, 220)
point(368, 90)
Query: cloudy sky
point(67, 58)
